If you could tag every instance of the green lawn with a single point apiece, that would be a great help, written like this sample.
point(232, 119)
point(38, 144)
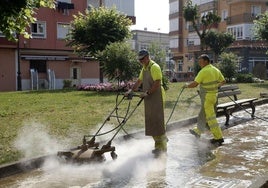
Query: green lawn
point(71, 114)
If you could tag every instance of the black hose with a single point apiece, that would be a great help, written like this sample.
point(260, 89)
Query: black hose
point(121, 123)
point(175, 105)
point(242, 108)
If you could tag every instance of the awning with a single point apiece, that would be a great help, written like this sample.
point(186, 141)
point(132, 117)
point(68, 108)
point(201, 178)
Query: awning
point(47, 58)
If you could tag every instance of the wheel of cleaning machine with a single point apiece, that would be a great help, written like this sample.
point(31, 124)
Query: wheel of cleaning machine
point(113, 155)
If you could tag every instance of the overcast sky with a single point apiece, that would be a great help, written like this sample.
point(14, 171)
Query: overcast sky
point(152, 14)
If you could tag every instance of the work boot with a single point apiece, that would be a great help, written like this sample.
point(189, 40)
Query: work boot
point(216, 142)
point(158, 152)
point(194, 133)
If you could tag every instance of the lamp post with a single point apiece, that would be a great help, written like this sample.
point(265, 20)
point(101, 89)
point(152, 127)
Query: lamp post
point(18, 57)
point(169, 57)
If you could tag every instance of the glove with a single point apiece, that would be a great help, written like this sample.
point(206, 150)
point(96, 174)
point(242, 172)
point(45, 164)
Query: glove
point(128, 92)
point(185, 85)
point(144, 94)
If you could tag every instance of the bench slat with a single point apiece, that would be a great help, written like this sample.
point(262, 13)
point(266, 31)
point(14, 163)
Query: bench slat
point(229, 107)
point(228, 93)
point(232, 103)
point(228, 87)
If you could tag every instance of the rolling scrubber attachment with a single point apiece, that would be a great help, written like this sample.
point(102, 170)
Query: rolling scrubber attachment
point(90, 151)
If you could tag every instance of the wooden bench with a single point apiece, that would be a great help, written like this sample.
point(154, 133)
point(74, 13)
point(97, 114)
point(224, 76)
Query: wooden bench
point(235, 104)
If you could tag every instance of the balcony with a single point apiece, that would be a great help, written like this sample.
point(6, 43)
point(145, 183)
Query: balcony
point(63, 7)
point(200, 27)
point(243, 1)
point(241, 18)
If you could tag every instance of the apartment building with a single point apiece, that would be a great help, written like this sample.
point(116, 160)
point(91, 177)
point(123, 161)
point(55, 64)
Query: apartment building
point(44, 61)
point(142, 39)
point(236, 17)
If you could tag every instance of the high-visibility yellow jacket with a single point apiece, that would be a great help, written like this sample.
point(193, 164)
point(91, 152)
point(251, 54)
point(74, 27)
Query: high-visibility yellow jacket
point(209, 78)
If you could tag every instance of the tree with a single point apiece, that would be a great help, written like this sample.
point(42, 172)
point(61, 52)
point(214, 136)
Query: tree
point(159, 56)
point(190, 14)
point(218, 42)
point(261, 26)
point(93, 31)
point(120, 62)
point(16, 16)
point(228, 65)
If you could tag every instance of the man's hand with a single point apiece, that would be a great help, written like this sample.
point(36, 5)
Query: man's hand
point(185, 85)
point(144, 94)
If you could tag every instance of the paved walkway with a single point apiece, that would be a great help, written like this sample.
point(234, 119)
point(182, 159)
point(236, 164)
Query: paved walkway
point(243, 159)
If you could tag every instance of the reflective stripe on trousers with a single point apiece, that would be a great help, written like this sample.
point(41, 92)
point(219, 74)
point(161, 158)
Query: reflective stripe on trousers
point(207, 117)
point(209, 107)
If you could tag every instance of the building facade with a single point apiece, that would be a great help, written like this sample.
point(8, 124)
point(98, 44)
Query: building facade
point(142, 39)
point(236, 17)
point(44, 61)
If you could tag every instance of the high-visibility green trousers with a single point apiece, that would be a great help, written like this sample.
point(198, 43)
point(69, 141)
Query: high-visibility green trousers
point(207, 117)
point(160, 142)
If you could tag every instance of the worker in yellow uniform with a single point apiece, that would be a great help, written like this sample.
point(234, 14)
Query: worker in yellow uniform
point(210, 79)
point(154, 95)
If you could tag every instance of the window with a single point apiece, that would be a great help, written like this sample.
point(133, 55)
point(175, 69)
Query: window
point(62, 30)
point(193, 39)
point(75, 73)
point(224, 15)
point(174, 43)
point(38, 30)
point(198, 2)
point(39, 65)
point(190, 43)
point(144, 46)
point(180, 66)
point(240, 32)
point(255, 10)
point(93, 3)
point(174, 7)
point(174, 25)
point(65, 1)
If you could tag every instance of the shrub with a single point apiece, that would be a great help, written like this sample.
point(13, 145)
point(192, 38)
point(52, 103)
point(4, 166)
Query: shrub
point(67, 83)
point(112, 87)
point(244, 78)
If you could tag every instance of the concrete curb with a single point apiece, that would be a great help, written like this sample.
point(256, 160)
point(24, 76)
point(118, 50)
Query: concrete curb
point(21, 166)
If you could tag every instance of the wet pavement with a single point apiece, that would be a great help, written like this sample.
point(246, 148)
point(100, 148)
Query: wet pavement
point(238, 163)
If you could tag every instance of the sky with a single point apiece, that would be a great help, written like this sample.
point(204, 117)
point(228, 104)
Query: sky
point(152, 14)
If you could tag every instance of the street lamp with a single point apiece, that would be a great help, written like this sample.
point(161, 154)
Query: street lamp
point(169, 62)
point(18, 57)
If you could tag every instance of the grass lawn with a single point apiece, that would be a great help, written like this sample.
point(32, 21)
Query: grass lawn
point(27, 118)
